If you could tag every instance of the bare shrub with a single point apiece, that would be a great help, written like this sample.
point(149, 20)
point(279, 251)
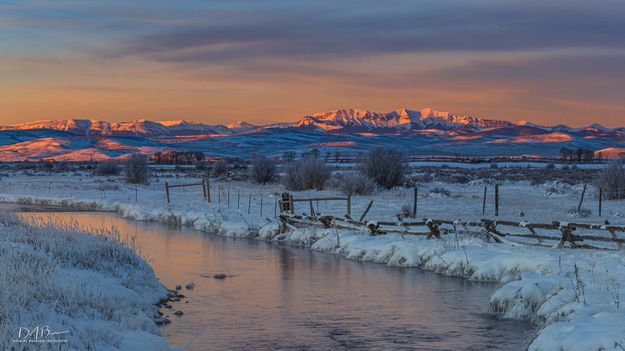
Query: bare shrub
point(137, 171)
point(307, 173)
point(494, 165)
point(263, 169)
point(550, 165)
point(355, 184)
point(384, 166)
point(221, 169)
point(612, 181)
point(107, 169)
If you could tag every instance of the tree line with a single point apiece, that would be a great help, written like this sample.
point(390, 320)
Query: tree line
point(579, 155)
point(177, 157)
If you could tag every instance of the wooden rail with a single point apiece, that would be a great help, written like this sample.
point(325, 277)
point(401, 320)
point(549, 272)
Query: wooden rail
point(490, 229)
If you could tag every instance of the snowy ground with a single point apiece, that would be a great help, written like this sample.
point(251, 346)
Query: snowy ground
point(65, 289)
point(574, 295)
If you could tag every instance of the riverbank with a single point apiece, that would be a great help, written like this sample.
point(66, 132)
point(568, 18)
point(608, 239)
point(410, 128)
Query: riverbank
point(573, 295)
point(67, 289)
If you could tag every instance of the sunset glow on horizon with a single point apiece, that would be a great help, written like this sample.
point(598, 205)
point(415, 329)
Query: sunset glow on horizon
point(224, 61)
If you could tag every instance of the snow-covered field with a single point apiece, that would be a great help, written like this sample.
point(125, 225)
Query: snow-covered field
point(574, 295)
point(65, 289)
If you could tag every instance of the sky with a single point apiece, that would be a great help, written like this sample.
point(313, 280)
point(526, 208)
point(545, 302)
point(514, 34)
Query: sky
point(548, 61)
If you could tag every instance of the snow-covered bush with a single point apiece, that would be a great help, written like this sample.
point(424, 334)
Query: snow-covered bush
point(612, 181)
point(355, 184)
point(107, 169)
point(137, 171)
point(385, 166)
point(307, 173)
point(263, 169)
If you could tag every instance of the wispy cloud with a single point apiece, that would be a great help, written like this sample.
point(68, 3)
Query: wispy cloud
point(497, 57)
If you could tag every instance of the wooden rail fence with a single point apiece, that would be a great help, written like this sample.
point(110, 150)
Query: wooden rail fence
point(491, 229)
point(206, 190)
point(287, 203)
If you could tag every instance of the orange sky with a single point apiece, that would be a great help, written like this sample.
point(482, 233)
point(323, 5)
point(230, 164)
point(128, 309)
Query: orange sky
point(277, 61)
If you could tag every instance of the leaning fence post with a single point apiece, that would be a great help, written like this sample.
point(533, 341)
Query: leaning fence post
point(600, 200)
point(167, 191)
point(414, 202)
point(484, 202)
point(366, 211)
point(496, 200)
point(204, 188)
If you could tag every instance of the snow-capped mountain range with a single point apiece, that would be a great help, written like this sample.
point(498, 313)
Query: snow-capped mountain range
point(340, 121)
point(424, 131)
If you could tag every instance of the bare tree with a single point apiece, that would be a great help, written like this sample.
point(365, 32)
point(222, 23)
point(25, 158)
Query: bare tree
point(307, 173)
point(612, 180)
point(136, 170)
point(263, 169)
point(384, 166)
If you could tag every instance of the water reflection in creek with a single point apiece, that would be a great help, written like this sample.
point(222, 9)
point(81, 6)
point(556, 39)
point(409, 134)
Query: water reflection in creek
point(288, 298)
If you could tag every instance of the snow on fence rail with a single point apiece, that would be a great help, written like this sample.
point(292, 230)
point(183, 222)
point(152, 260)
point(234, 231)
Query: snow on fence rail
point(491, 229)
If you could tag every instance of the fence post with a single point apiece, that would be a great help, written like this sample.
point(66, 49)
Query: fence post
point(228, 196)
point(261, 204)
point(292, 203)
point(581, 200)
point(249, 203)
point(349, 205)
point(208, 190)
point(484, 202)
point(600, 200)
point(204, 188)
point(414, 202)
point(496, 200)
point(238, 197)
point(167, 191)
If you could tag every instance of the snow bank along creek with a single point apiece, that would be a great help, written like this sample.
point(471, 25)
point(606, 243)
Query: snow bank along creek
point(285, 297)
